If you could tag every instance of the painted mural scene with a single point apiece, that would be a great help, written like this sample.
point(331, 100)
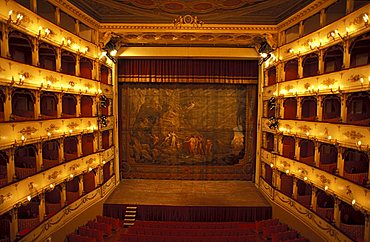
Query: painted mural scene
point(179, 125)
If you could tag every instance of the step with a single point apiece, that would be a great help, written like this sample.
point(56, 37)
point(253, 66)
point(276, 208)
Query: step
point(129, 220)
point(128, 224)
point(130, 215)
point(131, 208)
point(130, 211)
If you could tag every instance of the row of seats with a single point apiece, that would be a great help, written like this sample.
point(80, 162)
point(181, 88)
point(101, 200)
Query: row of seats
point(96, 230)
point(166, 231)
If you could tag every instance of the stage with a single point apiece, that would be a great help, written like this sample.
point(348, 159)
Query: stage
point(189, 200)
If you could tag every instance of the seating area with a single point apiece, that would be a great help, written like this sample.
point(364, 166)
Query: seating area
point(99, 230)
point(165, 231)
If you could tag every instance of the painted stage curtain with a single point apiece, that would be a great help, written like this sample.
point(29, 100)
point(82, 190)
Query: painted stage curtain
point(188, 71)
point(187, 119)
point(192, 213)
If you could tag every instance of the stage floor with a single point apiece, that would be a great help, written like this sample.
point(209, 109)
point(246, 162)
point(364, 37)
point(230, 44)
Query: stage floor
point(187, 193)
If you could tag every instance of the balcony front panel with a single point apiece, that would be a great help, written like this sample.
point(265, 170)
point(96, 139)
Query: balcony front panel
point(345, 135)
point(21, 133)
point(344, 189)
point(18, 192)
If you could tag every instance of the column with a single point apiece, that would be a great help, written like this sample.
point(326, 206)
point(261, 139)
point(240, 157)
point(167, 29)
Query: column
point(299, 108)
point(7, 104)
point(301, 29)
point(349, 6)
point(321, 62)
point(110, 137)
point(42, 209)
point(4, 42)
point(337, 212)
point(61, 150)
point(96, 70)
point(276, 179)
point(367, 228)
point(37, 109)
point(77, 66)
point(300, 67)
point(39, 157)
point(295, 188)
point(81, 185)
point(63, 194)
point(78, 105)
point(79, 145)
point(111, 168)
point(10, 167)
point(314, 199)
point(280, 107)
point(340, 161)
point(322, 18)
point(297, 150)
point(280, 72)
point(317, 154)
point(346, 54)
point(35, 52)
point(95, 106)
point(13, 224)
point(319, 108)
point(96, 141)
point(59, 105)
point(58, 61)
point(279, 144)
point(343, 108)
point(77, 27)
point(264, 140)
point(282, 38)
point(98, 180)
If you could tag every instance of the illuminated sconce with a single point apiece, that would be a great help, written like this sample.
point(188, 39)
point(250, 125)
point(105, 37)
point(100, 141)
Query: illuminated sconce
point(305, 178)
point(90, 169)
point(18, 19)
point(70, 131)
point(365, 17)
point(29, 198)
point(308, 134)
point(66, 42)
point(51, 185)
point(332, 34)
point(287, 172)
point(326, 187)
point(103, 162)
point(71, 176)
point(353, 202)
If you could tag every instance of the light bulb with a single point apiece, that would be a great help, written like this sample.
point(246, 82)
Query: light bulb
point(326, 188)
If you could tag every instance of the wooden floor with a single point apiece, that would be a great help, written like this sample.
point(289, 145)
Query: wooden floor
point(187, 193)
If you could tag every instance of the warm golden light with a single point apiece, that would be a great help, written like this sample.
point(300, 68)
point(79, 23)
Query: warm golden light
point(326, 188)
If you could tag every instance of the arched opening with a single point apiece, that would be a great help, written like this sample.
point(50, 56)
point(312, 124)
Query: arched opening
point(286, 184)
point(304, 192)
point(68, 63)
point(331, 109)
point(106, 171)
point(53, 201)
point(291, 70)
point(270, 141)
point(271, 76)
point(48, 105)
point(47, 56)
point(328, 158)
point(72, 190)
point(333, 59)
point(358, 108)
point(325, 206)
point(87, 144)
point(309, 108)
point(50, 154)
point(89, 181)
point(290, 108)
point(86, 106)
point(20, 47)
point(28, 216)
point(70, 148)
point(310, 65)
point(360, 51)
point(25, 161)
point(356, 166)
point(352, 222)
point(268, 174)
point(86, 68)
point(4, 159)
point(5, 220)
point(105, 139)
point(2, 105)
point(104, 74)
point(307, 152)
point(22, 105)
point(288, 147)
point(69, 104)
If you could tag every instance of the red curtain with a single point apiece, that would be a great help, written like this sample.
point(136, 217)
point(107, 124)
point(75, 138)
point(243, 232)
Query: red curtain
point(187, 70)
point(192, 213)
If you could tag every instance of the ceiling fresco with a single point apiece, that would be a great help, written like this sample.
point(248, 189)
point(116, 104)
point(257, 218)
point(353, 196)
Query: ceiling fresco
point(209, 11)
